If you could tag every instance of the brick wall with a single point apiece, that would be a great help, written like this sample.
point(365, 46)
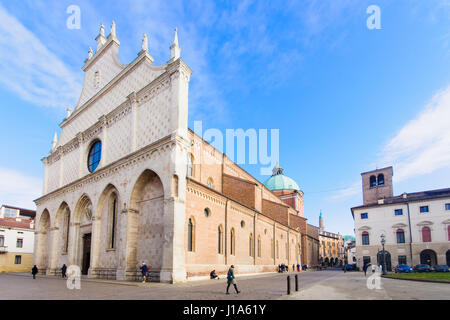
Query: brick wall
point(277, 211)
point(239, 189)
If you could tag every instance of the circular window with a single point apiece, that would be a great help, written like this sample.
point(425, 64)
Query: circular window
point(242, 223)
point(94, 156)
point(207, 212)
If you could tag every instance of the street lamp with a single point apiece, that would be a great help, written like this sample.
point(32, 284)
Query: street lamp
point(383, 241)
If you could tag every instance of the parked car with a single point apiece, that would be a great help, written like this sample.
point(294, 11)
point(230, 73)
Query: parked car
point(423, 268)
point(403, 268)
point(350, 267)
point(442, 268)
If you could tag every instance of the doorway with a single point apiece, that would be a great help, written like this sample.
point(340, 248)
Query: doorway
point(428, 257)
point(86, 253)
point(380, 259)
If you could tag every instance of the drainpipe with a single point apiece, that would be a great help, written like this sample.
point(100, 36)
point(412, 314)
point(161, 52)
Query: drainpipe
point(226, 233)
point(410, 235)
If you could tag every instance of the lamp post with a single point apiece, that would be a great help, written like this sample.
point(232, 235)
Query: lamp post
point(383, 241)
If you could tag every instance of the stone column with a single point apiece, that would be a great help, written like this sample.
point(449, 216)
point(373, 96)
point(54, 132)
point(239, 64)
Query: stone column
point(127, 246)
point(53, 267)
point(95, 246)
point(173, 266)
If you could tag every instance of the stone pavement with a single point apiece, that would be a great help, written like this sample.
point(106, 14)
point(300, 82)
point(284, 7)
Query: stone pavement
point(261, 287)
point(353, 286)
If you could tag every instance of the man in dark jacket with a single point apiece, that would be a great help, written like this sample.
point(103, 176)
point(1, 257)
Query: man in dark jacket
point(34, 271)
point(63, 271)
point(365, 268)
point(144, 270)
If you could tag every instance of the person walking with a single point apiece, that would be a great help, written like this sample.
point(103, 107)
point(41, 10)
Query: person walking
point(231, 279)
point(34, 271)
point(144, 270)
point(298, 267)
point(63, 271)
point(365, 268)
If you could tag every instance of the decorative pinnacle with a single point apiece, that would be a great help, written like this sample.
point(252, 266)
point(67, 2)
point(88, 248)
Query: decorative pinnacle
point(55, 140)
point(113, 29)
point(174, 48)
point(102, 30)
point(69, 111)
point(90, 54)
point(145, 43)
point(175, 39)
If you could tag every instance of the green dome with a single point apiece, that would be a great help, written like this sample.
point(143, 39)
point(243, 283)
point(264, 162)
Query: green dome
point(348, 237)
point(278, 181)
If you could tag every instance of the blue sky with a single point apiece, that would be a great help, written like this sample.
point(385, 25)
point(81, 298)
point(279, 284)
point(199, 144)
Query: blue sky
point(346, 99)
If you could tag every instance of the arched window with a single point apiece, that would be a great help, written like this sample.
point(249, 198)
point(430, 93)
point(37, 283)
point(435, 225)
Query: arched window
point(210, 183)
point(232, 242)
point(191, 235)
point(95, 154)
point(381, 179)
point(365, 238)
point(112, 221)
point(250, 245)
point(400, 236)
point(259, 246)
point(220, 240)
point(426, 234)
point(190, 165)
point(373, 181)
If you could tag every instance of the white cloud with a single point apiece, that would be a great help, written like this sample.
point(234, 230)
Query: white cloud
point(18, 189)
point(423, 144)
point(30, 70)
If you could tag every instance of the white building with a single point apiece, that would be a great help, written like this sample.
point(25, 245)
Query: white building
point(16, 239)
point(416, 225)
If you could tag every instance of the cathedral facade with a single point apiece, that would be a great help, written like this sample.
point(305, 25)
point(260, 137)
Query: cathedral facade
point(127, 182)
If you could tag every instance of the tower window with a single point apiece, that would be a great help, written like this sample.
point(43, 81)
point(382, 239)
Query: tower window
point(447, 206)
point(373, 181)
point(364, 215)
point(381, 179)
point(398, 212)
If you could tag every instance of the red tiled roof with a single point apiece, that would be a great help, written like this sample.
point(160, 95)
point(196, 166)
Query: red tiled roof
point(12, 223)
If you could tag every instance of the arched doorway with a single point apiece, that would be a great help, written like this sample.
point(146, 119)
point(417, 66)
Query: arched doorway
point(380, 259)
point(60, 238)
point(147, 206)
point(428, 257)
point(82, 234)
point(105, 234)
point(43, 241)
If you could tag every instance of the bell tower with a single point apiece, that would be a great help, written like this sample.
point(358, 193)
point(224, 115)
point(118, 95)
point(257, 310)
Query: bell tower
point(377, 185)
